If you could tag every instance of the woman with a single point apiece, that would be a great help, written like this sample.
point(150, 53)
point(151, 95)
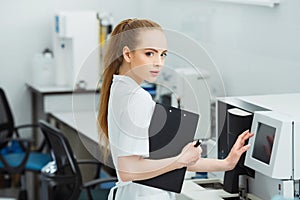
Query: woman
point(135, 53)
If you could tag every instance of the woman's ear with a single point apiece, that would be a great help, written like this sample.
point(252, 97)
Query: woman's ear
point(126, 54)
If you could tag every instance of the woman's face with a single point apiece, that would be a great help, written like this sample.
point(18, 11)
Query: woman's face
point(148, 58)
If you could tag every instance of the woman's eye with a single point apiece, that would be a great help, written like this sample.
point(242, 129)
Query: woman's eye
point(164, 54)
point(149, 54)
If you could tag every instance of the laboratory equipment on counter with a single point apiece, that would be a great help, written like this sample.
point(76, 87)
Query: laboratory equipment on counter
point(233, 117)
point(272, 165)
point(76, 49)
point(43, 69)
point(187, 88)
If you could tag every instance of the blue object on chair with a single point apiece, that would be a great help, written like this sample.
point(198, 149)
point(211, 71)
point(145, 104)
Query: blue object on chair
point(14, 147)
point(15, 153)
point(35, 161)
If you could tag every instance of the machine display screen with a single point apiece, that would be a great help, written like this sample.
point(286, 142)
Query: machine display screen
point(263, 144)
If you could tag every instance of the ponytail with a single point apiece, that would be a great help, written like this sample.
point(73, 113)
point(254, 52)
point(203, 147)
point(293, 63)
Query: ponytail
point(124, 34)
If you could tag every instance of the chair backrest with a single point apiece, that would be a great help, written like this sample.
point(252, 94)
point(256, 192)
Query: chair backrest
point(6, 119)
point(66, 163)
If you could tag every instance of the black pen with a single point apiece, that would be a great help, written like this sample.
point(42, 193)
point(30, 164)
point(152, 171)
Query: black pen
point(198, 143)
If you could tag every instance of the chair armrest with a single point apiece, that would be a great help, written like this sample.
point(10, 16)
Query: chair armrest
point(41, 147)
point(95, 162)
point(95, 182)
point(17, 128)
point(92, 162)
point(26, 126)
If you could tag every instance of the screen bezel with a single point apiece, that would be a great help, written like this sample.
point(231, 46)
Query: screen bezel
point(254, 163)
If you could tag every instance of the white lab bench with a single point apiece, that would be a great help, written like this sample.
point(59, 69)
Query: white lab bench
point(84, 123)
point(46, 99)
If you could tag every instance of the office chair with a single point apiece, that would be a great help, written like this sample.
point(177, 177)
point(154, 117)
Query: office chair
point(62, 179)
point(16, 156)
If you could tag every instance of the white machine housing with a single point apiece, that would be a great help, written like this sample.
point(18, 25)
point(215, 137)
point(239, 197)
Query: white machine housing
point(76, 49)
point(281, 175)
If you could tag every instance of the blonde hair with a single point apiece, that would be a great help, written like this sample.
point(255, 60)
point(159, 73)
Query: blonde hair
point(124, 34)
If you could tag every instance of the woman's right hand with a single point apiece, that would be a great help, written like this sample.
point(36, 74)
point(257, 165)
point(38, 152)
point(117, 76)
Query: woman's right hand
point(189, 155)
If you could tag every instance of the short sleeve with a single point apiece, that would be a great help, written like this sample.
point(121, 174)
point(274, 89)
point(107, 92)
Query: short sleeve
point(134, 125)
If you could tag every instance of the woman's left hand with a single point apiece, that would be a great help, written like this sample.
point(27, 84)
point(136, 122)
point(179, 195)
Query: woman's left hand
point(238, 149)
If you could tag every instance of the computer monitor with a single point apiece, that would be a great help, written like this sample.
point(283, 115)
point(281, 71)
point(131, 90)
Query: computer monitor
point(272, 145)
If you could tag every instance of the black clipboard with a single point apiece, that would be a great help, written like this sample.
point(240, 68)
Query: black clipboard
point(170, 130)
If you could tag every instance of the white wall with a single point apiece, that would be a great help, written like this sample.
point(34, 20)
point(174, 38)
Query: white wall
point(26, 30)
point(255, 48)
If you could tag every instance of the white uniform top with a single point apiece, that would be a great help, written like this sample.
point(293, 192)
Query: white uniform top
point(130, 109)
